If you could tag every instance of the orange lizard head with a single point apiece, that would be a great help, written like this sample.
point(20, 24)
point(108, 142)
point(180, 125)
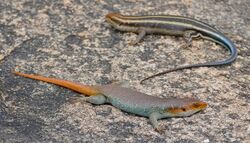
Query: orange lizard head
point(187, 108)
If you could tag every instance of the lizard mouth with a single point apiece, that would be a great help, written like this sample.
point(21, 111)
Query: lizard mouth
point(198, 105)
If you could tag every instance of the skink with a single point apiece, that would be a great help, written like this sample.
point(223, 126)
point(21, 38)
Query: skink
point(129, 100)
point(173, 25)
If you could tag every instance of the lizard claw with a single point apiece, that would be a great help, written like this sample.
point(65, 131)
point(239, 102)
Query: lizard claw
point(159, 130)
point(74, 100)
point(132, 43)
point(186, 46)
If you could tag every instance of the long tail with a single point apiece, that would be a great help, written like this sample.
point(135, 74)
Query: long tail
point(224, 41)
point(175, 69)
point(86, 90)
point(212, 35)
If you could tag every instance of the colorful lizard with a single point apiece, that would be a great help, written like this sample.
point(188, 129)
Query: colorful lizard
point(173, 25)
point(130, 100)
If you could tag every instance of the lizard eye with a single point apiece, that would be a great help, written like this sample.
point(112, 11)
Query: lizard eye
point(183, 109)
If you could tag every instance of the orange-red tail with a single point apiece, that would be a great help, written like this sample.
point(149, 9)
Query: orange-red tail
point(86, 90)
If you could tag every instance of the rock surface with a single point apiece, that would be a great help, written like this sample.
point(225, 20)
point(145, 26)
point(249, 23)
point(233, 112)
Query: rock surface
point(70, 39)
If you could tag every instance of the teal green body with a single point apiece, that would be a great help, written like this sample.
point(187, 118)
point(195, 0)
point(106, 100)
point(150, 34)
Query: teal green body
point(138, 103)
point(133, 108)
point(130, 100)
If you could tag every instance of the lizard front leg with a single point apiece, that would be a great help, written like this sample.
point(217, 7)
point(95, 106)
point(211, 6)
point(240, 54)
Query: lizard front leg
point(153, 117)
point(142, 33)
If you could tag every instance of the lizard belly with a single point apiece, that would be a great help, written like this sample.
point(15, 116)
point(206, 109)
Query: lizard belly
point(132, 101)
point(130, 107)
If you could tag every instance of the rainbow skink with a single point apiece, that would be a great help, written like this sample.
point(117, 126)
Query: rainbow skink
point(173, 25)
point(129, 100)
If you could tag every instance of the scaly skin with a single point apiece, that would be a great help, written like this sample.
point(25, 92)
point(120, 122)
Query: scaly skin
point(130, 100)
point(173, 25)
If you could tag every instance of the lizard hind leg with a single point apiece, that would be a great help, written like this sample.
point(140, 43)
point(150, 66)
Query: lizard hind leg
point(94, 99)
point(188, 36)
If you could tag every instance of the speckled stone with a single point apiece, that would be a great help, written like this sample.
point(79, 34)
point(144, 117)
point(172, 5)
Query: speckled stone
point(70, 39)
